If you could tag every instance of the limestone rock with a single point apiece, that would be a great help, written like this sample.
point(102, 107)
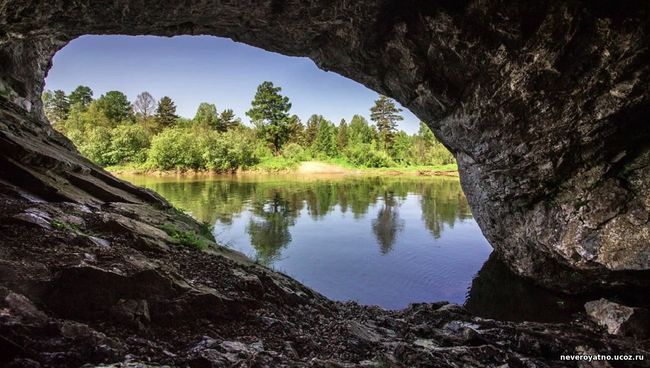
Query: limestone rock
point(620, 319)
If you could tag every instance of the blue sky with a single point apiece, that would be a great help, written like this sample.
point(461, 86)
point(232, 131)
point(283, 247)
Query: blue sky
point(195, 69)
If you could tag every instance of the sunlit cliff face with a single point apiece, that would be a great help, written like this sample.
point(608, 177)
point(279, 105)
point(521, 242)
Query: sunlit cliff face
point(544, 105)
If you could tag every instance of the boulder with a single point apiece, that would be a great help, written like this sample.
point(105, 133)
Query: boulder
point(620, 319)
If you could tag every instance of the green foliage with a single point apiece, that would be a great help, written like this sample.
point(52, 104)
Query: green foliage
point(107, 132)
point(129, 144)
point(95, 145)
point(56, 106)
point(81, 97)
point(296, 130)
point(386, 115)
point(427, 150)
point(228, 151)
point(313, 123)
point(276, 163)
point(189, 239)
point(115, 106)
point(206, 115)
point(366, 155)
point(294, 152)
point(228, 120)
point(165, 113)
point(325, 143)
point(182, 148)
point(359, 131)
point(176, 148)
point(270, 113)
point(342, 138)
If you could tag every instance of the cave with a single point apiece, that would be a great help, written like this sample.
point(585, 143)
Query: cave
point(543, 104)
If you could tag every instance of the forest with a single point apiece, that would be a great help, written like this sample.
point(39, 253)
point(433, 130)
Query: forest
point(148, 134)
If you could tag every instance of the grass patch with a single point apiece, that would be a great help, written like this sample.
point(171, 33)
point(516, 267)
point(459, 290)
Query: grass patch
point(276, 163)
point(189, 239)
point(61, 225)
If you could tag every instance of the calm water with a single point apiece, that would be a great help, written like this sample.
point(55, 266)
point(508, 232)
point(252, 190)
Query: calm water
point(387, 241)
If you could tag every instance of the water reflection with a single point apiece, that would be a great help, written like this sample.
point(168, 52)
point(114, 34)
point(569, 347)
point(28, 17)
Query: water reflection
point(389, 241)
point(269, 228)
point(388, 223)
point(498, 293)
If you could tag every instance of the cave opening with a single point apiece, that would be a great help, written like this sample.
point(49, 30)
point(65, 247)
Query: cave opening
point(282, 217)
point(542, 104)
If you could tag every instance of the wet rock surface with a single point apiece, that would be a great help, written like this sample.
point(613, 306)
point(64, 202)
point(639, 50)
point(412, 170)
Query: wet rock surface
point(69, 303)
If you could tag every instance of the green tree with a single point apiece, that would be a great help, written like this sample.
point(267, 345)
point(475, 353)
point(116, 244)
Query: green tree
point(206, 116)
point(228, 120)
point(129, 143)
point(115, 106)
point(270, 113)
point(296, 130)
point(359, 131)
point(96, 144)
point(325, 142)
point(342, 139)
point(47, 96)
point(165, 113)
point(176, 148)
point(427, 150)
point(401, 150)
point(57, 107)
point(82, 96)
point(386, 115)
point(313, 124)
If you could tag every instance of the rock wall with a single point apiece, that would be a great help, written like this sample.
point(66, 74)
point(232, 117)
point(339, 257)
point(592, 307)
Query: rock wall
point(544, 104)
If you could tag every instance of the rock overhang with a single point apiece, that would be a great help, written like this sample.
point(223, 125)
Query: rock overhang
point(543, 104)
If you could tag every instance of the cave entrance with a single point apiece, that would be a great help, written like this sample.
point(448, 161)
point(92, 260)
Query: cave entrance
point(354, 211)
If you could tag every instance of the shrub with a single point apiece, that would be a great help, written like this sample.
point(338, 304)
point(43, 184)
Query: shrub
point(294, 152)
point(366, 155)
point(129, 143)
point(95, 144)
point(176, 148)
point(228, 151)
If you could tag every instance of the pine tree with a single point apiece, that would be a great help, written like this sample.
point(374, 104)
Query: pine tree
point(228, 120)
point(312, 128)
point(325, 142)
point(270, 113)
point(296, 130)
point(386, 115)
point(81, 97)
point(342, 135)
point(359, 131)
point(165, 113)
point(59, 107)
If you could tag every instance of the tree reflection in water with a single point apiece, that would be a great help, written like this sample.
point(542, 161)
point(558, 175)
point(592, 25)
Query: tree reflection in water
point(269, 228)
point(388, 223)
point(388, 240)
point(276, 203)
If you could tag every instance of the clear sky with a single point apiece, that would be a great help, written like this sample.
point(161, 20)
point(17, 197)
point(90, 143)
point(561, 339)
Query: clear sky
point(195, 69)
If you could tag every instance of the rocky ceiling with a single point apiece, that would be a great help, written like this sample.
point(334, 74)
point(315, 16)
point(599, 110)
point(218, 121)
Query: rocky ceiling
point(545, 105)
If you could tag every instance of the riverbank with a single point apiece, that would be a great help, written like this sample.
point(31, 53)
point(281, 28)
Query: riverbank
point(301, 168)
